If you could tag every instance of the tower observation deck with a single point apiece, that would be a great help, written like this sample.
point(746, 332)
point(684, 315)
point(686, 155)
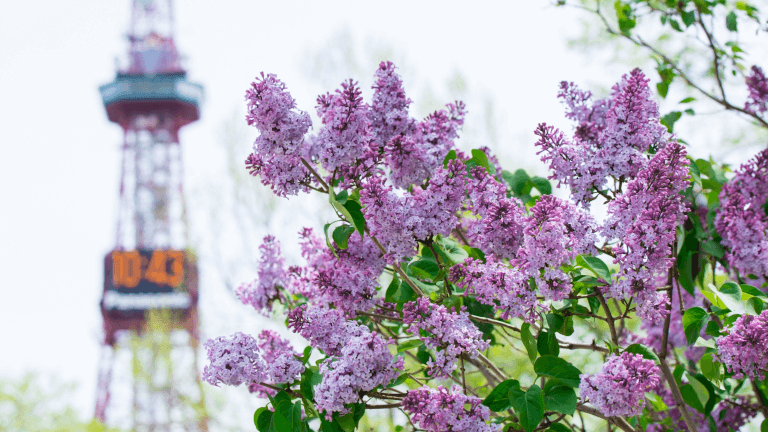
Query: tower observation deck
point(148, 378)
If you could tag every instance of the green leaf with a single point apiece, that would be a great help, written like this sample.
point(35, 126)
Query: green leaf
point(449, 157)
point(555, 367)
point(342, 196)
point(713, 248)
point(306, 386)
point(559, 397)
point(730, 295)
point(263, 418)
point(287, 416)
point(691, 397)
point(688, 18)
point(547, 344)
point(399, 380)
point(688, 100)
point(710, 368)
point(730, 21)
point(499, 400)
point(642, 350)
point(694, 320)
point(529, 341)
point(517, 181)
point(529, 406)
point(764, 426)
point(755, 306)
point(341, 235)
point(481, 159)
point(425, 269)
point(675, 25)
point(405, 346)
point(558, 427)
point(595, 265)
point(391, 292)
point(355, 212)
point(542, 185)
point(451, 250)
point(669, 120)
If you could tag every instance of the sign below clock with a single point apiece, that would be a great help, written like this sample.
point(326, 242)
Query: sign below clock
point(144, 279)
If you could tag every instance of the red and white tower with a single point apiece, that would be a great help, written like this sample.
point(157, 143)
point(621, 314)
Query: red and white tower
point(148, 377)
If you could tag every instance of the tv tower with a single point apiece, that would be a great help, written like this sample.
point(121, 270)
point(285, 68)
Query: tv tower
point(148, 378)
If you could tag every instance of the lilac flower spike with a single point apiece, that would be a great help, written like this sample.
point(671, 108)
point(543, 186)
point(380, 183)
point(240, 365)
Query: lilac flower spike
point(643, 219)
point(619, 388)
point(757, 83)
point(234, 360)
point(277, 152)
point(440, 409)
point(272, 276)
point(744, 350)
point(742, 221)
point(449, 334)
point(610, 138)
point(345, 136)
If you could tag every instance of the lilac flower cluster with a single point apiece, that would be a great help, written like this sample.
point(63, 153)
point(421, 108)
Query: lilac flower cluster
point(742, 220)
point(619, 388)
point(757, 83)
point(272, 277)
point(448, 334)
point(496, 284)
point(398, 220)
point(277, 152)
point(326, 329)
point(345, 136)
point(499, 228)
point(643, 220)
point(433, 210)
point(555, 233)
point(389, 110)
point(358, 359)
point(744, 350)
point(385, 211)
point(731, 416)
point(344, 278)
point(610, 138)
point(440, 409)
point(235, 360)
point(361, 364)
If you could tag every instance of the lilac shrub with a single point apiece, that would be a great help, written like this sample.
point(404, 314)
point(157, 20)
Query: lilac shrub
point(441, 268)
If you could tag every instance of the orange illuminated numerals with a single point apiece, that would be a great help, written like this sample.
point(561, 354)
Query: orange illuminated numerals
point(156, 269)
point(126, 269)
point(177, 268)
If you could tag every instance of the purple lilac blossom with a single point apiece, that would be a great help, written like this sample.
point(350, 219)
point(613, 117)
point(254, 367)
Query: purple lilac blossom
point(385, 213)
point(496, 284)
point(449, 335)
point(610, 138)
point(326, 329)
point(732, 416)
point(345, 136)
point(277, 152)
point(555, 233)
point(433, 210)
point(234, 360)
point(438, 410)
point(282, 367)
point(619, 388)
point(389, 107)
point(408, 164)
point(757, 84)
point(643, 220)
point(345, 278)
point(272, 277)
point(498, 229)
point(744, 350)
point(361, 364)
point(742, 220)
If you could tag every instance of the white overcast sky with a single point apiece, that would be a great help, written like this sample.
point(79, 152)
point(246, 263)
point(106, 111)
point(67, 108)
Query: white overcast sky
point(59, 154)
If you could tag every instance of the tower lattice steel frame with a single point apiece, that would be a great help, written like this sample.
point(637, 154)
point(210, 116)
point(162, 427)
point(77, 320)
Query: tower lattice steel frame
point(148, 378)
